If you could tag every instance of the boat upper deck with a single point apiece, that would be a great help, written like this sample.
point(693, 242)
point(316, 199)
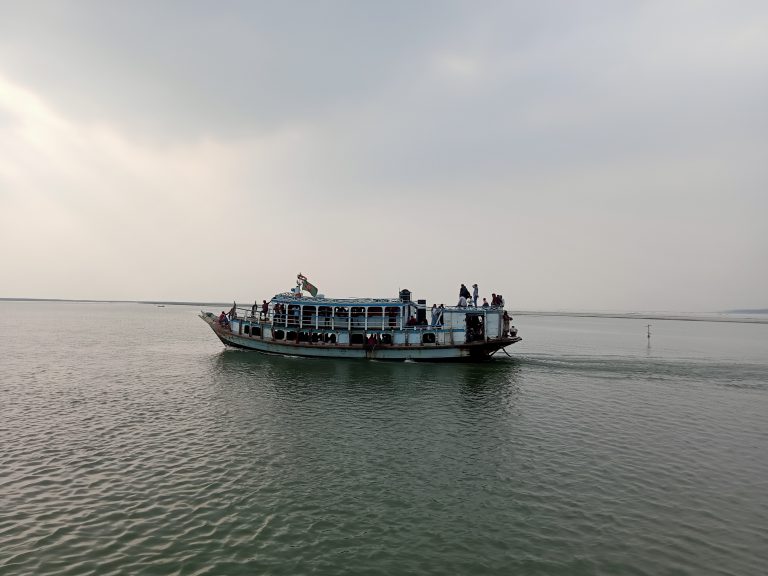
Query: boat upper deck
point(289, 298)
point(292, 299)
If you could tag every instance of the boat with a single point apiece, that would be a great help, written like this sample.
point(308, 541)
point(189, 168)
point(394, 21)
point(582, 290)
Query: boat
point(395, 328)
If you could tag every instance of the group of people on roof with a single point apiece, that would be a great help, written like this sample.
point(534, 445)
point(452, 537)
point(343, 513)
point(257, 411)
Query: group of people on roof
point(470, 299)
point(437, 315)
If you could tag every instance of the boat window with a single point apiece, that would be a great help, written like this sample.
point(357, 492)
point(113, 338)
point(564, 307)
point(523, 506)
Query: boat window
point(428, 338)
point(324, 314)
point(304, 336)
point(291, 335)
point(475, 328)
point(246, 329)
point(374, 311)
point(256, 331)
point(392, 312)
point(309, 311)
point(357, 338)
point(358, 316)
point(386, 338)
point(279, 334)
point(293, 315)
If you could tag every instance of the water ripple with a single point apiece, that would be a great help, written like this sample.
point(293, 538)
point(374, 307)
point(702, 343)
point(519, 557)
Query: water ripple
point(173, 457)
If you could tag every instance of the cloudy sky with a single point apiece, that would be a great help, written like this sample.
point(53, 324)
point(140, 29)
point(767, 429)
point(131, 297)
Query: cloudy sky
point(585, 155)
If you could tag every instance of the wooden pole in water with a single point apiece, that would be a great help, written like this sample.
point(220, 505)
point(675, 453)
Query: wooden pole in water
point(649, 331)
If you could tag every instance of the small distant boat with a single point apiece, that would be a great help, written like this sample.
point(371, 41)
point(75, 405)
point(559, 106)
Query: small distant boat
point(372, 328)
point(161, 305)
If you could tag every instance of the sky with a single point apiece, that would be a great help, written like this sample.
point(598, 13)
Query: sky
point(586, 155)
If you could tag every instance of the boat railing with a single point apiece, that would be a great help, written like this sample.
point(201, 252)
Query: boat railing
point(350, 321)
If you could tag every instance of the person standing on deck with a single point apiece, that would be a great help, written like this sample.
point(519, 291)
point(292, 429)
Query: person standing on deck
point(475, 294)
point(463, 292)
point(435, 314)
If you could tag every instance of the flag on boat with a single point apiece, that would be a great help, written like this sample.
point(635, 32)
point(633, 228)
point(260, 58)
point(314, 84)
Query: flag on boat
point(306, 285)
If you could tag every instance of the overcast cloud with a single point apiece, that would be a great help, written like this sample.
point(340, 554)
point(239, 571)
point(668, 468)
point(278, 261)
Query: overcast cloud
point(571, 155)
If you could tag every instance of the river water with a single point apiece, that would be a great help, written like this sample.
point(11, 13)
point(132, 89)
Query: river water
point(131, 442)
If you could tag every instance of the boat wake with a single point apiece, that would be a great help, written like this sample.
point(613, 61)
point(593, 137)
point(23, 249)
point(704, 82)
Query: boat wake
point(732, 374)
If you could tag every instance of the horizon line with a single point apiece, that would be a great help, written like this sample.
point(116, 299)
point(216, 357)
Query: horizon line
point(587, 313)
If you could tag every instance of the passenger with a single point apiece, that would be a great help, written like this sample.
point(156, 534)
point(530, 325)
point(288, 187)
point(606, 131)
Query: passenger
point(441, 309)
point(494, 300)
point(475, 294)
point(485, 303)
point(501, 300)
point(264, 309)
point(254, 308)
point(233, 312)
point(462, 302)
point(411, 321)
point(435, 314)
point(506, 318)
point(464, 292)
point(223, 320)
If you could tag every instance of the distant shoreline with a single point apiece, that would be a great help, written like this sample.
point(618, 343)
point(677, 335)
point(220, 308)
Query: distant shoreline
point(153, 302)
point(692, 317)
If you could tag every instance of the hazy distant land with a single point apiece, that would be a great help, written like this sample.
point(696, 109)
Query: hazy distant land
point(157, 303)
point(724, 316)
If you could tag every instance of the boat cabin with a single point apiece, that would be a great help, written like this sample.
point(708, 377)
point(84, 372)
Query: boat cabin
point(360, 321)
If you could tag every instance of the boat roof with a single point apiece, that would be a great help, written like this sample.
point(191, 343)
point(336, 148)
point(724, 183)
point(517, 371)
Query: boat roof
point(289, 298)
